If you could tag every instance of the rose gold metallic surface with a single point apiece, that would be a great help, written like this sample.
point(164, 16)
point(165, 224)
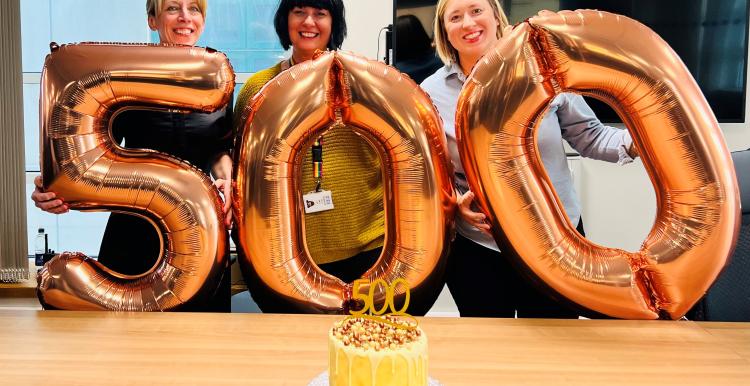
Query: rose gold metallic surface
point(83, 87)
point(625, 64)
point(387, 109)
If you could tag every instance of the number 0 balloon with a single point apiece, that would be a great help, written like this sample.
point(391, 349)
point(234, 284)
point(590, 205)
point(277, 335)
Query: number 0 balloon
point(341, 91)
point(83, 85)
point(625, 64)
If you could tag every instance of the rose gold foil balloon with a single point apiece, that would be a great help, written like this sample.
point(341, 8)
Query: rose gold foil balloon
point(625, 64)
point(387, 109)
point(83, 86)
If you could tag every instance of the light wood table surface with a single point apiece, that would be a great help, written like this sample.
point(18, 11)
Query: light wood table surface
point(101, 348)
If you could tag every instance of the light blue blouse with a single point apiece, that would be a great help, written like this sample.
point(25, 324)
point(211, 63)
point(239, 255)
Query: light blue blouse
point(569, 118)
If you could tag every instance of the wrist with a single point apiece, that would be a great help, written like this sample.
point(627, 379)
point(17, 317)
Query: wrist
point(632, 150)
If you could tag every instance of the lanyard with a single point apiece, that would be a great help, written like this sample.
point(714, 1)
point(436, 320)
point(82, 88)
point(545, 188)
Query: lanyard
point(317, 162)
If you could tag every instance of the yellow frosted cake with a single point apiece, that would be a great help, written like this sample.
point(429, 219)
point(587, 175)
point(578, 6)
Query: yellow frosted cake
point(365, 351)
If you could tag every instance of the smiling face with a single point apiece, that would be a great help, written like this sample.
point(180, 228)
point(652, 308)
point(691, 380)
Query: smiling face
point(471, 28)
point(309, 30)
point(178, 22)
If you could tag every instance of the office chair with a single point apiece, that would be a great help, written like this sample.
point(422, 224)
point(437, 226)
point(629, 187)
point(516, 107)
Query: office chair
point(729, 298)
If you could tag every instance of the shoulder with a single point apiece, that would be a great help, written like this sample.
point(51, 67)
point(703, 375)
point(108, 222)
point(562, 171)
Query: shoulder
point(259, 79)
point(262, 77)
point(436, 81)
point(254, 84)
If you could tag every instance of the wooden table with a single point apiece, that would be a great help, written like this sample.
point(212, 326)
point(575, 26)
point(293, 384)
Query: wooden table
point(100, 348)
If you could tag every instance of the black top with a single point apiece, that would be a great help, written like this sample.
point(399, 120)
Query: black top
point(194, 137)
point(130, 244)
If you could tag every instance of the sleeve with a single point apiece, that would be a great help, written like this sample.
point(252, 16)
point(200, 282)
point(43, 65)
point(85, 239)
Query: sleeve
point(246, 94)
point(227, 142)
point(252, 87)
point(587, 135)
point(224, 130)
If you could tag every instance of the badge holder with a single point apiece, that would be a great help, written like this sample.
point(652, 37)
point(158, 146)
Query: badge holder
point(318, 200)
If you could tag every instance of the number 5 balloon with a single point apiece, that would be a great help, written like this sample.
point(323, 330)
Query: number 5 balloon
point(625, 64)
point(83, 87)
point(344, 92)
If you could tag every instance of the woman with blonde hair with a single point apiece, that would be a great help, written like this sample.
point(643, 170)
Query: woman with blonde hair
point(130, 244)
point(482, 282)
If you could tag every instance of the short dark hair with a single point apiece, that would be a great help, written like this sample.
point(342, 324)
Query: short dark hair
point(335, 7)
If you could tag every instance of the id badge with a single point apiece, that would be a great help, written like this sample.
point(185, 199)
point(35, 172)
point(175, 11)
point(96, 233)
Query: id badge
point(318, 201)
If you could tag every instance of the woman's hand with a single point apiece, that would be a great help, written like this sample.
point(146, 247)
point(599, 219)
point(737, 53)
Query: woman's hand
point(476, 219)
point(47, 201)
point(223, 173)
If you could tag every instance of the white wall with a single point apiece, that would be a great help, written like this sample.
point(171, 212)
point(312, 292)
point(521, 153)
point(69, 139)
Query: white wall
point(364, 19)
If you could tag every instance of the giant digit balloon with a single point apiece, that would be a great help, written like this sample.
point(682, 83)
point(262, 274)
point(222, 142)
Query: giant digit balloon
point(628, 66)
point(83, 87)
point(344, 92)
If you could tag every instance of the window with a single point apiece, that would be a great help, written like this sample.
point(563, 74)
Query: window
point(242, 29)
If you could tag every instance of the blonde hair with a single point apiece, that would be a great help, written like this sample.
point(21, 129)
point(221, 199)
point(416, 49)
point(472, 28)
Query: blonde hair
point(153, 7)
point(445, 50)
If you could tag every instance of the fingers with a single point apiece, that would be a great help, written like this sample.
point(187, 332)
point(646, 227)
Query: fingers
point(219, 184)
point(228, 220)
point(546, 12)
point(507, 30)
point(227, 190)
point(633, 151)
point(53, 206)
point(225, 187)
point(47, 201)
point(228, 203)
point(465, 200)
point(39, 196)
point(476, 219)
point(59, 210)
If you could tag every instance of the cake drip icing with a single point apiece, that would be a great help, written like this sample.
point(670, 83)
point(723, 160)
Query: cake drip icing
point(364, 351)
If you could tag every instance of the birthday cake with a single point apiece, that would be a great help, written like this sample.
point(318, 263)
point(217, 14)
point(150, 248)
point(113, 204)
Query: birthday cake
point(377, 351)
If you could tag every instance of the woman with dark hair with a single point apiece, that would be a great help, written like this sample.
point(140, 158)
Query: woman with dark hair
point(347, 240)
point(289, 13)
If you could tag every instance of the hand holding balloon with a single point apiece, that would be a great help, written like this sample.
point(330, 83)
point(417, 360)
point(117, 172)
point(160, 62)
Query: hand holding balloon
point(47, 201)
point(222, 170)
point(476, 219)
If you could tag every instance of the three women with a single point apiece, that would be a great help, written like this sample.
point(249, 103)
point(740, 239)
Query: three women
point(349, 244)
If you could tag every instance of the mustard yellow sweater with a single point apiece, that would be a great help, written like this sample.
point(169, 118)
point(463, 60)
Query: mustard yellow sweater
point(352, 172)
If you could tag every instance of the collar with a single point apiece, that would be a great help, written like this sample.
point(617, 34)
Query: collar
point(286, 64)
point(454, 70)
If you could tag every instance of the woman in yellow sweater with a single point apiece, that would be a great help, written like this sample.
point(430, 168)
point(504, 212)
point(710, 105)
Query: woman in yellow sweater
point(347, 240)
